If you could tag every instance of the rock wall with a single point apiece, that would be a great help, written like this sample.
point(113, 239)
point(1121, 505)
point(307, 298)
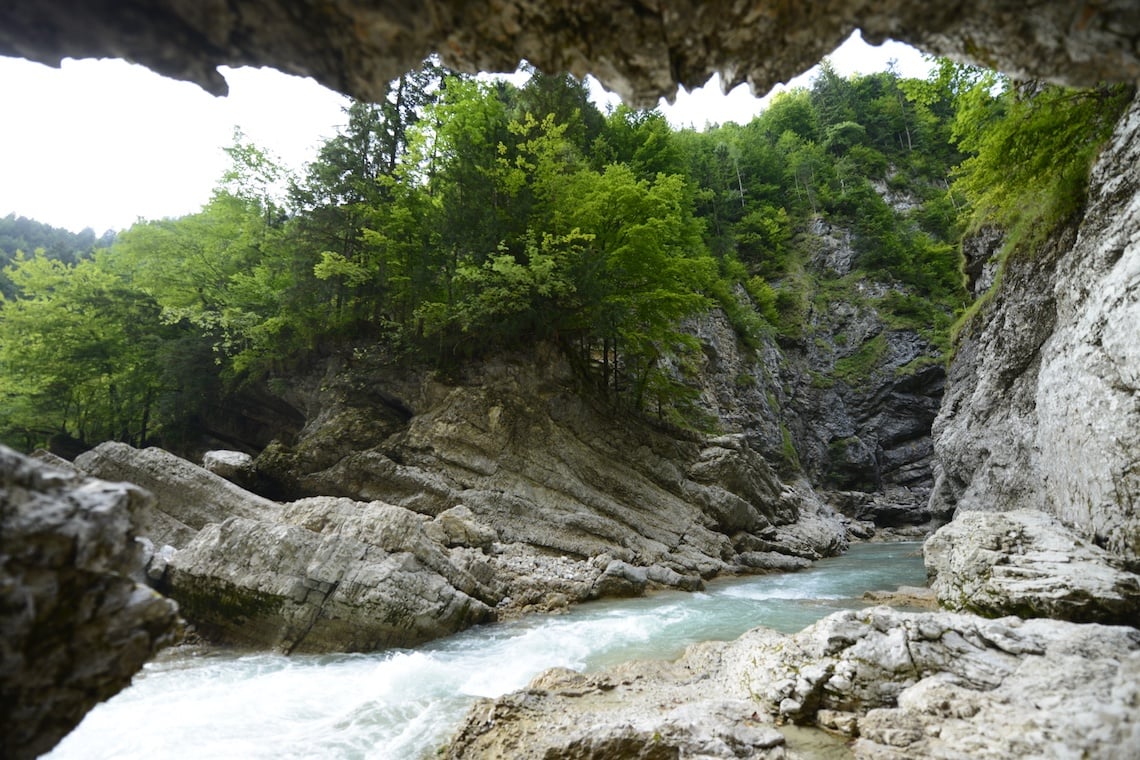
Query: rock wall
point(863, 440)
point(75, 625)
point(1042, 409)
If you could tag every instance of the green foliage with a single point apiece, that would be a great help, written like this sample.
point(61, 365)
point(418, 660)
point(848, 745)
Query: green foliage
point(458, 217)
point(80, 354)
point(790, 458)
point(1030, 149)
point(27, 235)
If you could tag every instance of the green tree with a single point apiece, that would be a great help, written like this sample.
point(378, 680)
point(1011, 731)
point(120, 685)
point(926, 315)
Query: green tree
point(79, 354)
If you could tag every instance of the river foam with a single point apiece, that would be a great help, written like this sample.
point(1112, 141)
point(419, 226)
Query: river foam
point(403, 704)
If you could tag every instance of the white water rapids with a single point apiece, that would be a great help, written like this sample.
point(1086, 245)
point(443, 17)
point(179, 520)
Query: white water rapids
point(404, 704)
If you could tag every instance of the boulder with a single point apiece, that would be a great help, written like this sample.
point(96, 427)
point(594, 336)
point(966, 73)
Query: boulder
point(621, 579)
point(75, 625)
point(332, 576)
point(458, 526)
point(1027, 563)
point(235, 466)
point(187, 497)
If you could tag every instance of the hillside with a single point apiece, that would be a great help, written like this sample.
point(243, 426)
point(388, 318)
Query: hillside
point(791, 280)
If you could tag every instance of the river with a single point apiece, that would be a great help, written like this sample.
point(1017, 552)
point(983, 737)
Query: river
point(404, 704)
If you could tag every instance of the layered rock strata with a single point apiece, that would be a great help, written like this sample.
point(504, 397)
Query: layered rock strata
point(545, 468)
point(535, 504)
point(901, 685)
point(75, 624)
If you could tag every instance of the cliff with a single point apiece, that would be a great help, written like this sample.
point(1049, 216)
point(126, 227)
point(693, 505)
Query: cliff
point(849, 404)
point(1042, 408)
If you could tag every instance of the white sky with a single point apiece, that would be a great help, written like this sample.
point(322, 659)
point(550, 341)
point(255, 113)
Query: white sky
point(103, 143)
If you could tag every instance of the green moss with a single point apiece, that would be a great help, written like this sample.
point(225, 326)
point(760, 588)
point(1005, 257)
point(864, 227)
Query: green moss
point(859, 366)
point(918, 364)
point(821, 381)
point(223, 604)
point(744, 380)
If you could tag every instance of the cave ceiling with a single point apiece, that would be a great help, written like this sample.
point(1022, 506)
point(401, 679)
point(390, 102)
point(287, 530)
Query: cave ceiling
point(639, 49)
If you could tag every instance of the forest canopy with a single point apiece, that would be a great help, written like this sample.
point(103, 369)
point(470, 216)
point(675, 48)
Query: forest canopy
point(460, 217)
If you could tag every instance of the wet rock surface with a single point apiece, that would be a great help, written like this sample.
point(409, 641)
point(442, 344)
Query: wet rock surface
point(75, 624)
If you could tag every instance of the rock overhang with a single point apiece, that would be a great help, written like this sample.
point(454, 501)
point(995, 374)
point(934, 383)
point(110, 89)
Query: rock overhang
point(641, 49)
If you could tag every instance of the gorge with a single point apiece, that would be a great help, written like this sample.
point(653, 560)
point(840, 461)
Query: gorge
point(410, 498)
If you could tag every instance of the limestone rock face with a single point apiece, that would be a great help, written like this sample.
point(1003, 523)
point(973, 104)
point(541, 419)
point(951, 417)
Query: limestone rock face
point(906, 684)
point(1027, 563)
point(331, 575)
point(1043, 403)
point(187, 497)
point(868, 435)
point(75, 625)
point(639, 50)
point(539, 467)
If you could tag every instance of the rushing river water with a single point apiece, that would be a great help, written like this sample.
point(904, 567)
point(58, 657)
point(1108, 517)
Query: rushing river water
point(403, 704)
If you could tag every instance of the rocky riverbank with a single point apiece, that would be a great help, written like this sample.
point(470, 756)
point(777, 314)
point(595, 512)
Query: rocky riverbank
point(1036, 448)
point(897, 684)
point(330, 573)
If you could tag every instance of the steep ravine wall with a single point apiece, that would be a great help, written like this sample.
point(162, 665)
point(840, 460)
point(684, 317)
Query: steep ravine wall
point(848, 397)
point(1042, 408)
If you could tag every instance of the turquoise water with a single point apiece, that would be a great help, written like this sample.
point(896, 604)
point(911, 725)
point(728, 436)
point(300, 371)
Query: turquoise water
point(403, 704)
